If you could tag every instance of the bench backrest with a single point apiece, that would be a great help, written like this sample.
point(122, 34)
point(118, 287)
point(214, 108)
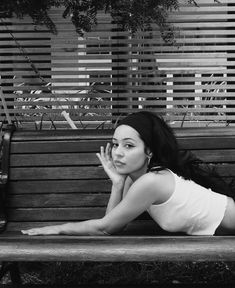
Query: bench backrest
point(55, 176)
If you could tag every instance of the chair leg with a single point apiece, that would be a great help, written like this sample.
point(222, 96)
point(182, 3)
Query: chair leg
point(13, 269)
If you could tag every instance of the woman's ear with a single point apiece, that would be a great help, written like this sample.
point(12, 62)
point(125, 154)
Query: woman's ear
point(149, 153)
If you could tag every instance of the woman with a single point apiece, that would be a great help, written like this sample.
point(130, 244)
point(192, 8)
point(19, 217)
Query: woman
point(149, 174)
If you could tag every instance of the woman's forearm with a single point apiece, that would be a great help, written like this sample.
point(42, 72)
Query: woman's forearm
point(115, 197)
point(89, 227)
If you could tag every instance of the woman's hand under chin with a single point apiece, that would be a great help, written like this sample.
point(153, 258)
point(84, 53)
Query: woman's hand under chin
point(107, 163)
point(47, 230)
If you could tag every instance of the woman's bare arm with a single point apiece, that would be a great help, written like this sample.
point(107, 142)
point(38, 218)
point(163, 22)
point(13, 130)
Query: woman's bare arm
point(140, 196)
point(117, 194)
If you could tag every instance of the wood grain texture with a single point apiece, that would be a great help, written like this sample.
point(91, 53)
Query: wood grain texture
point(59, 186)
point(54, 159)
point(115, 249)
point(55, 214)
point(50, 173)
point(57, 200)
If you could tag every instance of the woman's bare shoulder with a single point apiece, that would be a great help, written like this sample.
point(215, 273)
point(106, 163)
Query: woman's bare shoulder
point(158, 177)
point(162, 183)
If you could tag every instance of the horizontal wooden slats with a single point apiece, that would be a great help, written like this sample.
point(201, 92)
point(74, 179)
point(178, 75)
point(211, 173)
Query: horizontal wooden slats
point(54, 159)
point(73, 80)
point(53, 200)
point(52, 173)
point(109, 103)
point(55, 214)
point(60, 214)
point(45, 147)
point(227, 155)
point(160, 110)
point(200, 64)
point(151, 75)
point(62, 42)
point(201, 143)
point(91, 159)
point(54, 179)
point(183, 119)
point(147, 96)
point(79, 140)
point(226, 170)
point(137, 227)
point(122, 87)
point(71, 135)
point(55, 186)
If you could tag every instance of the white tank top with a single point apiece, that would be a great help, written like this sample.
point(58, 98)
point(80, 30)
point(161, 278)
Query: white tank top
point(191, 208)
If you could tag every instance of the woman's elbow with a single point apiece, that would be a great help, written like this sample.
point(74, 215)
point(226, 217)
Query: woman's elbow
point(97, 228)
point(104, 228)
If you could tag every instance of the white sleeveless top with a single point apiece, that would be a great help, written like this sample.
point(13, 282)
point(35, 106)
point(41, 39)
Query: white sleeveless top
point(191, 208)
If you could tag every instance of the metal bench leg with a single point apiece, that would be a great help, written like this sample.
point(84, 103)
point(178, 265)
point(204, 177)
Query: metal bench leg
point(3, 219)
point(13, 269)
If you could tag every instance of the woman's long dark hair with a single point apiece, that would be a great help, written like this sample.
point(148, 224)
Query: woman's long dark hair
point(166, 154)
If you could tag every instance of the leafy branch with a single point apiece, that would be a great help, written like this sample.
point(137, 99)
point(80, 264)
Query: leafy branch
point(130, 14)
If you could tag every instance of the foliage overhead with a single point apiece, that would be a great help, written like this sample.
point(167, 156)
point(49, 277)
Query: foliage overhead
point(129, 14)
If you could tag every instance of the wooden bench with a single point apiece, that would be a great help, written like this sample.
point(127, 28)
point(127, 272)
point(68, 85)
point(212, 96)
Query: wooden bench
point(54, 176)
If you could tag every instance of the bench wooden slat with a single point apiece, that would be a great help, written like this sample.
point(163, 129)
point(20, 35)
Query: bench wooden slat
point(55, 214)
point(59, 186)
point(62, 159)
point(211, 156)
point(38, 173)
point(226, 170)
point(60, 214)
point(116, 249)
point(204, 131)
point(61, 135)
point(198, 142)
point(194, 143)
point(58, 200)
point(136, 227)
point(82, 172)
point(85, 134)
point(62, 146)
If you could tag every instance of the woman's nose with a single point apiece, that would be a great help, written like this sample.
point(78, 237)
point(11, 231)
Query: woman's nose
point(119, 151)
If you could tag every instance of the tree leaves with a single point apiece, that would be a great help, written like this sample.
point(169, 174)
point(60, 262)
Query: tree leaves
point(130, 15)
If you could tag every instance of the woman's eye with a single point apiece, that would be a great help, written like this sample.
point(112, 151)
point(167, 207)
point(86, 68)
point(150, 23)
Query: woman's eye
point(114, 145)
point(128, 146)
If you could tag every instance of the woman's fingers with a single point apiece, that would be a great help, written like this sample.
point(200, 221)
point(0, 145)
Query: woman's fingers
point(102, 152)
point(46, 230)
point(108, 151)
point(105, 154)
point(36, 231)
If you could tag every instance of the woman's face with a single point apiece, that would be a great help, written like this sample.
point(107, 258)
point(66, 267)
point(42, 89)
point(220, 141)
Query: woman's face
point(128, 152)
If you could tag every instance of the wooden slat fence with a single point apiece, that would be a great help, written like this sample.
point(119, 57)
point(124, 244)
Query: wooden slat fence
point(109, 72)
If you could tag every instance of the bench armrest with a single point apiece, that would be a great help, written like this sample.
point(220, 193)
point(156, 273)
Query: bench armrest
point(3, 178)
point(4, 173)
point(6, 153)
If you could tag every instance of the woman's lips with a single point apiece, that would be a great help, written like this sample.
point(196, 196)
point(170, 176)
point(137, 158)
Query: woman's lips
point(118, 163)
